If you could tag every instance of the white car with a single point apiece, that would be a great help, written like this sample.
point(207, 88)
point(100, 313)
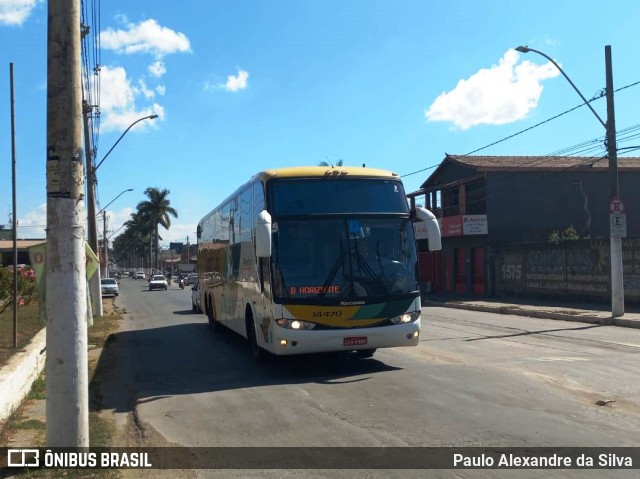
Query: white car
point(158, 281)
point(109, 287)
point(192, 279)
point(139, 275)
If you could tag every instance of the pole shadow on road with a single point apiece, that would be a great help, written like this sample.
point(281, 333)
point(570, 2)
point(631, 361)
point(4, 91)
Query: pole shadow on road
point(148, 364)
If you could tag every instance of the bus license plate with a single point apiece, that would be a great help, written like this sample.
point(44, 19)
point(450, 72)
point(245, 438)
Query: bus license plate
point(355, 341)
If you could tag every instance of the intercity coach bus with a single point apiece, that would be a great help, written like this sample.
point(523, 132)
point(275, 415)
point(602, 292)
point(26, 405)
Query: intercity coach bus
point(315, 259)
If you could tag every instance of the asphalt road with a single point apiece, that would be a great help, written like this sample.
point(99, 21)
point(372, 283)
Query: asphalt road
point(476, 379)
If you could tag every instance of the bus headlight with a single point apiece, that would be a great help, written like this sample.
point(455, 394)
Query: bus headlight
point(405, 318)
point(294, 324)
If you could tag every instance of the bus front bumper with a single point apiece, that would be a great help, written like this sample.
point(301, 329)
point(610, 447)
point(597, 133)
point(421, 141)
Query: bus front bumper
point(289, 341)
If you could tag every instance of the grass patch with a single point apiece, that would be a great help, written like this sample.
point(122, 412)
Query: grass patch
point(38, 388)
point(32, 424)
point(29, 325)
point(101, 429)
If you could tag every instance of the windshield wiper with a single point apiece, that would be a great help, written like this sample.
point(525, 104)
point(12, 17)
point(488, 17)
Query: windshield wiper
point(363, 264)
point(332, 274)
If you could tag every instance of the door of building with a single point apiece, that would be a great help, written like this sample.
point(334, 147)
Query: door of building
point(461, 270)
point(477, 255)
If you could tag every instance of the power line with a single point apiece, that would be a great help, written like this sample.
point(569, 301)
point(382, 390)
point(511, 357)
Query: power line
point(521, 131)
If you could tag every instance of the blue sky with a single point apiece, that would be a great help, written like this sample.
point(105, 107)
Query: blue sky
point(244, 86)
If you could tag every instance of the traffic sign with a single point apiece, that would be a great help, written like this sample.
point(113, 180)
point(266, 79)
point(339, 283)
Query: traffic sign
point(618, 224)
point(616, 206)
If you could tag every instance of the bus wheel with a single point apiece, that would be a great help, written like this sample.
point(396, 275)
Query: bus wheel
point(365, 353)
point(213, 324)
point(257, 352)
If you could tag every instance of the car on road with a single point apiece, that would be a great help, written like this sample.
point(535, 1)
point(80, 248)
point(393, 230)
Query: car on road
point(158, 281)
point(109, 287)
point(195, 298)
point(139, 275)
point(192, 279)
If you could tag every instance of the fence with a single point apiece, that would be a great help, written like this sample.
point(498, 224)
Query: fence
point(579, 269)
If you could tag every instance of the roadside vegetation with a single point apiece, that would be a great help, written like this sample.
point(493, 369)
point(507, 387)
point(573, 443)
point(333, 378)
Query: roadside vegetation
point(29, 427)
point(28, 321)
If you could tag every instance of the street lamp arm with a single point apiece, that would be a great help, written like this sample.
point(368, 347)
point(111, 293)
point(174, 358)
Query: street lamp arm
point(149, 117)
point(122, 193)
point(524, 49)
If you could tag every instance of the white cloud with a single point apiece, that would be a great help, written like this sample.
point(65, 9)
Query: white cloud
point(157, 69)
point(15, 12)
point(144, 90)
point(161, 89)
point(234, 83)
point(145, 37)
point(238, 82)
point(501, 94)
point(118, 101)
point(33, 224)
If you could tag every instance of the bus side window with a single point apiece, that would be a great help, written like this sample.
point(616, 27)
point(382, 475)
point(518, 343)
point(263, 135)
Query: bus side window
point(265, 281)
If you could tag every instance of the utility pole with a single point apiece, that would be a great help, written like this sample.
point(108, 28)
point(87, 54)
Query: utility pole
point(14, 217)
point(67, 406)
point(617, 280)
point(104, 245)
point(94, 281)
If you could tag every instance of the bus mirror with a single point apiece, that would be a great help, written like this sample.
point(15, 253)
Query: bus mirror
point(263, 235)
point(432, 226)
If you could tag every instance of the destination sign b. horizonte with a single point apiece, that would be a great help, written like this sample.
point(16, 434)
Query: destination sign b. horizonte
point(322, 458)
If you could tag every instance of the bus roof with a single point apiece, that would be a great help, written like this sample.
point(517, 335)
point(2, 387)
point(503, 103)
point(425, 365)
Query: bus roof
point(324, 172)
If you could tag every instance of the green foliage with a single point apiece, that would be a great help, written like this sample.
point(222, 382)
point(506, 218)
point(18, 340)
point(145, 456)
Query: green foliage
point(26, 287)
point(324, 163)
point(569, 234)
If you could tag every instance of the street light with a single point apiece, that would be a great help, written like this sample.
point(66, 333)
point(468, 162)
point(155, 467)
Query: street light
point(94, 283)
point(119, 195)
point(149, 117)
point(617, 284)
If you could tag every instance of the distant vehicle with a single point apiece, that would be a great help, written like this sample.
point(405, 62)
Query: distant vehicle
point(109, 287)
point(157, 281)
point(139, 275)
point(192, 279)
point(195, 298)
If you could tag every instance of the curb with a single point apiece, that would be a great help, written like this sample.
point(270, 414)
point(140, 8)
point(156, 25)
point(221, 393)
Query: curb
point(18, 375)
point(627, 323)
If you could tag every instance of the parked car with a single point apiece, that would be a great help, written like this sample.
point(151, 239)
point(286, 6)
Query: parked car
point(109, 287)
point(192, 279)
point(157, 281)
point(195, 298)
point(139, 275)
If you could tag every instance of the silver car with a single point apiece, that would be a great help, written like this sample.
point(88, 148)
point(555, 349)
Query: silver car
point(109, 287)
point(157, 281)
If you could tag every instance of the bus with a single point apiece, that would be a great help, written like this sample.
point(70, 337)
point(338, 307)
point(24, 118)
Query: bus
point(315, 259)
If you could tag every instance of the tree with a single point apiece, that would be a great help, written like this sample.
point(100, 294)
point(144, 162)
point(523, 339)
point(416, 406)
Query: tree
point(157, 211)
point(569, 234)
point(26, 287)
point(324, 163)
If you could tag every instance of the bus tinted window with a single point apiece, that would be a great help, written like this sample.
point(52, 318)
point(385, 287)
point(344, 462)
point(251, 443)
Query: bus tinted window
point(336, 195)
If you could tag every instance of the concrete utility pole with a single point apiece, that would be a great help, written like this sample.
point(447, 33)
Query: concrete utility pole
point(105, 246)
point(617, 279)
point(94, 281)
point(67, 404)
point(615, 240)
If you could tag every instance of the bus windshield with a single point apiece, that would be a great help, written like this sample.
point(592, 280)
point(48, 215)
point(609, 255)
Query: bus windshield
point(337, 260)
point(312, 196)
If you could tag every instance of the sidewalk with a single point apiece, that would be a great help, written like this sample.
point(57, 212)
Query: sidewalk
point(565, 311)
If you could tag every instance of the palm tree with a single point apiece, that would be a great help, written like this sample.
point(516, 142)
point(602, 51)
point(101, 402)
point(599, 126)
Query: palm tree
point(157, 211)
point(324, 163)
point(135, 239)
